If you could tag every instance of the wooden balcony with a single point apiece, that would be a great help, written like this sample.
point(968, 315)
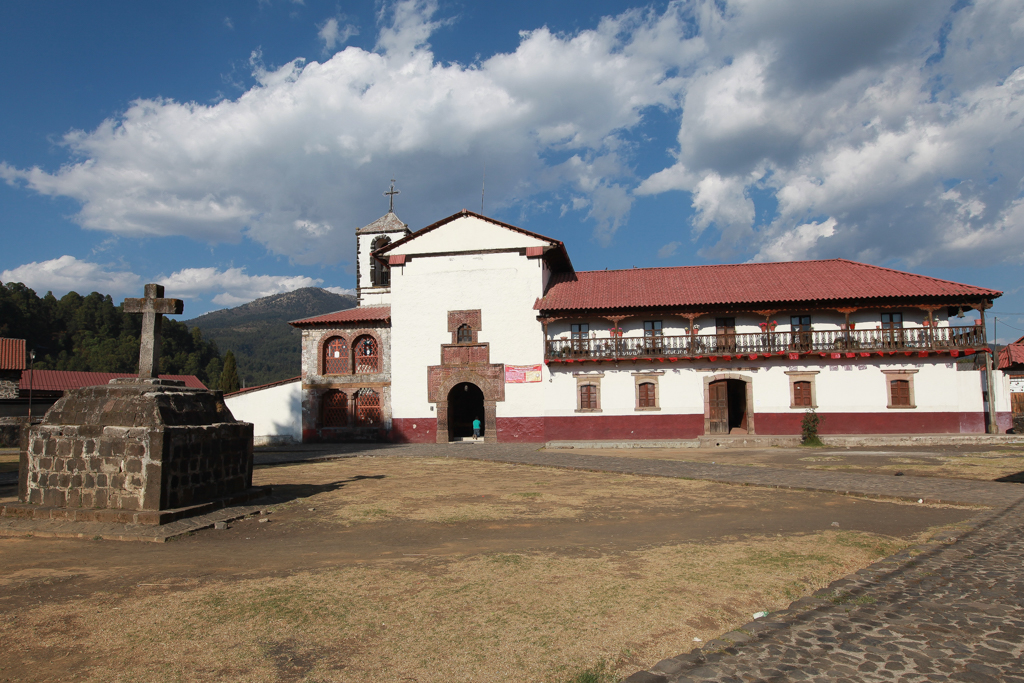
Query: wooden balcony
point(919, 341)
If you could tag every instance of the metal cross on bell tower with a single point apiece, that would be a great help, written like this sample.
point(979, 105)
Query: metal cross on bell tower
point(391, 196)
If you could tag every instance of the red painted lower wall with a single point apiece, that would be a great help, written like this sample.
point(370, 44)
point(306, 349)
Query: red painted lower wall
point(414, 430)
point(641, 426)
point(527, 429)
point(595, 427)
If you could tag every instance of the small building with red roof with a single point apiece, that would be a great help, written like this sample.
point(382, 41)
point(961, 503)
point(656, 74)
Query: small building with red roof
point(475, 323)
point(12, 364)
point(1011, 362)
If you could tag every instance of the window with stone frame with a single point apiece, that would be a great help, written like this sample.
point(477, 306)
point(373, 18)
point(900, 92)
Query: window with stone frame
point(801, 389)
point(334, 409)
point(646, 390)
point(900, 388)
point(588, 392)
point(368, 407)
point(366, 355)
point(336, 356)
point(464, 334)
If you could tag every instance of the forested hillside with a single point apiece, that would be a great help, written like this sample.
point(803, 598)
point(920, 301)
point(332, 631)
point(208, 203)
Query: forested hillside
point(90, 333)
point(266, 347)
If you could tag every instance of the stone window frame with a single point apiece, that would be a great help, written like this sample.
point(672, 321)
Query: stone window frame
point(908, 376)
point(471, 318)
point(592, 379)
point(645, 378)
point(802, 376)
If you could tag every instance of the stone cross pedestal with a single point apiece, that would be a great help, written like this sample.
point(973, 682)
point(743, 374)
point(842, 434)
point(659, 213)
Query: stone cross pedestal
point(140, 450)
point(153, 308)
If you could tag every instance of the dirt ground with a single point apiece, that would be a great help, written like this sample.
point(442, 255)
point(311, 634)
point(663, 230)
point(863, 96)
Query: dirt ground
point(431, 570)
point(953, 462)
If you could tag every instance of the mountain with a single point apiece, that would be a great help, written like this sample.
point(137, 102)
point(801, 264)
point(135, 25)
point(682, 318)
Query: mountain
point(266, 347)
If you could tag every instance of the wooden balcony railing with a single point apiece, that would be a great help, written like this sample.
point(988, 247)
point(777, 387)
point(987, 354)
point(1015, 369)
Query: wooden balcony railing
point(937, 339)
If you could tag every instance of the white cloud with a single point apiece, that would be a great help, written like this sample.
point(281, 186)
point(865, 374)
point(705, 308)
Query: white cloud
point(67, 274)
point(341, 290)
point(230, 287)
point(314, 144)
point(669, 249)
point(862, 115)
point(230, 25)
point(334, 34)
point(857, 119)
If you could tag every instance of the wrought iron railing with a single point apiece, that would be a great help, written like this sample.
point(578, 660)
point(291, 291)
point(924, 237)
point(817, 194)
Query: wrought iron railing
point(757, 343)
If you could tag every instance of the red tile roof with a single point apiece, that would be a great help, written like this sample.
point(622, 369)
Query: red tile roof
point(349, 315)
point(1012, 354)
point(63, 380)
point(745, 283)
point(12, 354)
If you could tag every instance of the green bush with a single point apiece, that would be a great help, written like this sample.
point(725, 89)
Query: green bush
point(809, 428)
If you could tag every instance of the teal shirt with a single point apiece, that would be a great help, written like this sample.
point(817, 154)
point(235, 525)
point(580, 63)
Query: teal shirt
point(476, 424)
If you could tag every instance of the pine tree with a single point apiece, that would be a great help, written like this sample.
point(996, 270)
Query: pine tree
point(229, 375)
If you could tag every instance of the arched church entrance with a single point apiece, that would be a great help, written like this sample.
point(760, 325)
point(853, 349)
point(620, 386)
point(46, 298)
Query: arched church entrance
point(465, 404)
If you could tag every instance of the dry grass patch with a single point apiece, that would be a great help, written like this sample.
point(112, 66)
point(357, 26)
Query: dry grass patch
point(979, 466)
point(456, 491)
point(502, 617)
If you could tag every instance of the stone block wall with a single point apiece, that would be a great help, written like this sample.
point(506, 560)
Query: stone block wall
point(135, 468)
point(9, 382)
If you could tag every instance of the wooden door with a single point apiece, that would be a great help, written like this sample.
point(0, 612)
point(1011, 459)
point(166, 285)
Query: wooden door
point(718, 402)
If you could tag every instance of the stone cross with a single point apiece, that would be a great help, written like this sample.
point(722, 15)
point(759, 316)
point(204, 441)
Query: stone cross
point(153, 307)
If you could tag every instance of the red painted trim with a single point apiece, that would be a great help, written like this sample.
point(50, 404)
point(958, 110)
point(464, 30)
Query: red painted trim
point(525, 429)
point(891, 422)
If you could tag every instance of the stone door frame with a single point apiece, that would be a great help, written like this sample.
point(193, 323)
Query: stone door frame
point(749, 396)
point(485, 386)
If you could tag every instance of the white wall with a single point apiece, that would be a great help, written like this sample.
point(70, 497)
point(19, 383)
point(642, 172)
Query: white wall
point(503, 286)
point(856, 386)
point(275, 412)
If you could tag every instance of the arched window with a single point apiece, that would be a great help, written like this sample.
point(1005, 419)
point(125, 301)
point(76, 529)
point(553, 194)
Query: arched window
point(465, 334)
point(367, 407)
point(367, 355)
point(334, 409)
point(380, 275)
point(336, 356)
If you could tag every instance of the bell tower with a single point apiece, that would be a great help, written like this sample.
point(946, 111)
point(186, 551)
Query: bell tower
point(373, 278)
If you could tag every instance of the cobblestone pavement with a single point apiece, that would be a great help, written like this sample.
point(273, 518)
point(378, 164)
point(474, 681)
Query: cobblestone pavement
point(947, 611)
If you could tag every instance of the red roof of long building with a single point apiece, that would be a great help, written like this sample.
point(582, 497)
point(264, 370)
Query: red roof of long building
point(745, 283)
point(12, 354)
point(63, 380)
point(349, 315)
point(1012, 354)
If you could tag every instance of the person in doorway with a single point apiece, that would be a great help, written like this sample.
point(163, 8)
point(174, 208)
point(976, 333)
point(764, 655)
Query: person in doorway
point(476, 428)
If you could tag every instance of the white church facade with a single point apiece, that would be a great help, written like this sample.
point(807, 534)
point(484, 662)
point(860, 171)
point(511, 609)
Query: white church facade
point(471, 318)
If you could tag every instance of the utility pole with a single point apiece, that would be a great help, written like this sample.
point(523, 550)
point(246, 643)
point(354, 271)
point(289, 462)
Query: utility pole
point(993, 427)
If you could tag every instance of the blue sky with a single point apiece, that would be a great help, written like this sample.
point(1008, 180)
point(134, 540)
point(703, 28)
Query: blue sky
point(229, 149)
